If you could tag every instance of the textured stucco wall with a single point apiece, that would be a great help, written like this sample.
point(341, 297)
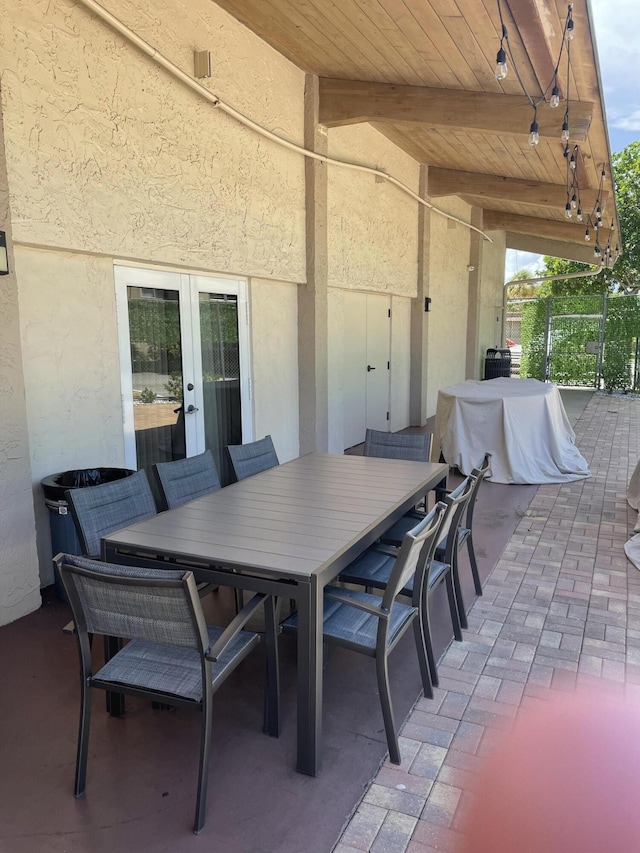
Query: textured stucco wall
point(274, 344)
point(492, 296)
point(448, 288)
point(19, 580)
point(372, 226)
point(108, 153)
point(71, 370)
point(335, 370)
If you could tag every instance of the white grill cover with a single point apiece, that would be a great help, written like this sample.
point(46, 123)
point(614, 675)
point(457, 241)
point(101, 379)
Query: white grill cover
point(522, 422)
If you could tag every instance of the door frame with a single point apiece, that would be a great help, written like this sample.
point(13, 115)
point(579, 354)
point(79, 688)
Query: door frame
point(189, 285)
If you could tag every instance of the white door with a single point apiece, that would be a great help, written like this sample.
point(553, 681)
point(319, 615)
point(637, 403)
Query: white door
point(367, 343)
point(184, 359)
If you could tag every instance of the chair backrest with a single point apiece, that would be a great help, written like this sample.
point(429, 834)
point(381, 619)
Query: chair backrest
point(99, 510)
point(156, 605)
point(394, 445)
point(480, 472)
point(457, 502)
point(186, 479)
point(249, 459)
point(414, 556)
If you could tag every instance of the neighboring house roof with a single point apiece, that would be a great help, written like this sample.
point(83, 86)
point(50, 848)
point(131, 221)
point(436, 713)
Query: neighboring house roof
point(423, 73)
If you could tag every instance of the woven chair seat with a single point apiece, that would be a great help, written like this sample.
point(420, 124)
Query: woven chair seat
point(355, 627)
point(169, 669)
point(374, 568)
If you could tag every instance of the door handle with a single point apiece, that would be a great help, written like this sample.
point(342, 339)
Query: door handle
point(369, 368)
point(191, 410)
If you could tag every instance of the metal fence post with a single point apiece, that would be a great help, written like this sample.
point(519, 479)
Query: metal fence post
point(547, 343)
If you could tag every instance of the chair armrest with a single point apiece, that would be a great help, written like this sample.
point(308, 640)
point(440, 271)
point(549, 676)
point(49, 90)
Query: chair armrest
point(235, 626)
point(351, 597)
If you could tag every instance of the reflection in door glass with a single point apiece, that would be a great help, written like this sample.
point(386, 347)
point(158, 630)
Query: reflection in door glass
point(220, 377)
point(156, 366)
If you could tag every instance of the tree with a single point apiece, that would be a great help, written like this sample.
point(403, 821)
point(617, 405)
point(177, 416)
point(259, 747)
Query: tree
point(625, 276)
point(523, 291)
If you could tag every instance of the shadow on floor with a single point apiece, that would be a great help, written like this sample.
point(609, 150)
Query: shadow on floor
point(143, 768)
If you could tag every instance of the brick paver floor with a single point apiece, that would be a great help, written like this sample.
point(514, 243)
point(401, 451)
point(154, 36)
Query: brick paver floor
point(560, 612)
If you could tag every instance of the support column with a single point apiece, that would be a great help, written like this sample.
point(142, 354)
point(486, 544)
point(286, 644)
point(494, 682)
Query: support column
point(312, 296)
point(19, 579)
point(474, 356)
point(420, 317)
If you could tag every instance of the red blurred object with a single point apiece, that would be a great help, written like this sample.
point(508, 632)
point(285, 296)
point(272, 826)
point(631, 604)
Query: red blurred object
point(510, 343)
point(566, 780)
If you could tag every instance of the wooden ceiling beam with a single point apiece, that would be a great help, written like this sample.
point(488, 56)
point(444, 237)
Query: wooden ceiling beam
point(496, 220)
point(451, 182)
point(354, 101)
point(554, 248)
point(535, 28)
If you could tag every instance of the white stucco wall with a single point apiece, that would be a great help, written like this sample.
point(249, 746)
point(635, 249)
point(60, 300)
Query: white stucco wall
point(449, 291)
point(274, 338)
point(372, 226)
point(109, 156)
point(19, 579)
point(335, 371)
point(71, 370)
point(491, 296)
point(108, 153)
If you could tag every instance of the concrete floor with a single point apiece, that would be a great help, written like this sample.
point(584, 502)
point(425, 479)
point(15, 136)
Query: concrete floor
point(142, 768)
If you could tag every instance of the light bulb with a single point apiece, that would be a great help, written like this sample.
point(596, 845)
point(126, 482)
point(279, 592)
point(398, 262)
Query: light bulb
point(574, 201)
point(596, 251)
point(567, 210)
point(570, 29)
point(534, 136)
point(599, 212)
point(572, 162)
point(501, 64)
point(555, 98)
point(565, 131)
point(587, 236)
point(579, 216)
point(603, 176)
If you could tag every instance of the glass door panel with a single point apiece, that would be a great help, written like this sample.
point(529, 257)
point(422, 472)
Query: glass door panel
point(156, 373)
point(220, 356)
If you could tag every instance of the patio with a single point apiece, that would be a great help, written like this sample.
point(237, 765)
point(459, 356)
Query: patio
point(559, 613)
point(554, 616)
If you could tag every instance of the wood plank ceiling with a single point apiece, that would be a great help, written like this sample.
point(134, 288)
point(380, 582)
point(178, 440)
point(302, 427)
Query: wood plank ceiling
point(422, 72)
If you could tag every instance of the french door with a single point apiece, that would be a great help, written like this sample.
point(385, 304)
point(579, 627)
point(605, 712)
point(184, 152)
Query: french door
point(184, 358)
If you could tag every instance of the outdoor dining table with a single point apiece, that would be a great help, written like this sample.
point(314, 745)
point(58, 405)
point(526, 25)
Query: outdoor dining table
point(288, 531)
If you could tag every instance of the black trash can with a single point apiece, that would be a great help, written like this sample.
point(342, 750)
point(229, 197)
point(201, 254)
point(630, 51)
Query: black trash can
point(497, 363)
point(63, 531)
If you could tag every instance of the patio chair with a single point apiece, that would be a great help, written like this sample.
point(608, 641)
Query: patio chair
point(252, 458)
point(452, 536)
point(372, 625)
point(186, 479)
point(99, 510)
point(373, 571)
point(395, 445)
point(172, 656)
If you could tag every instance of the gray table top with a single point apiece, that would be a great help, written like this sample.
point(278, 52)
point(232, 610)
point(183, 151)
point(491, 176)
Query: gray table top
point(308, 516)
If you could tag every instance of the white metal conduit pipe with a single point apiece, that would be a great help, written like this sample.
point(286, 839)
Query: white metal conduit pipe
point(193, 84)
point(558, 277)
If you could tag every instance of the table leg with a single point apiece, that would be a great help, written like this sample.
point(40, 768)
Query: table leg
point(309, 678)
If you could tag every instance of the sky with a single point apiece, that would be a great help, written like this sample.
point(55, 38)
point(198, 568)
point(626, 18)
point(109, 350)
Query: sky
point(617, 28)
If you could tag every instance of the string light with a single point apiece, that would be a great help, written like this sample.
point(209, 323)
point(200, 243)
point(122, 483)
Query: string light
point(501, 57)
point(593, 220)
